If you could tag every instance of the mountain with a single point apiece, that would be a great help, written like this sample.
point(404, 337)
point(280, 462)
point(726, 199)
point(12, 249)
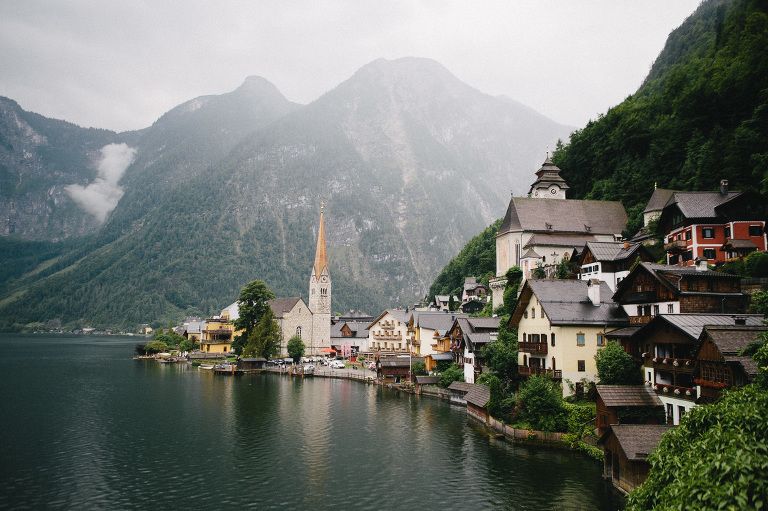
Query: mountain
point(408, 161)
point(700, 116)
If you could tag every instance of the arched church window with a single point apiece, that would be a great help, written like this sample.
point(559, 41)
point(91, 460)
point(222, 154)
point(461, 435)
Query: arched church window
point(298, 331)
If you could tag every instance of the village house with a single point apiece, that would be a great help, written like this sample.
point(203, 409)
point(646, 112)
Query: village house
point(653, 289)
point(626, 449)
point(561, 325)
point(443, 302)
point(389, 332)
point(472, 290)
point(395, 369)
point(626, 404)
point(218, 335)
point(352, 333)
point(544, 229)
point(477, 402)
point(652, 211)
point(667, 346)
point(707, 225)
point(425, 328)
point(468, 337)
point(609, 261)
point(718, 363)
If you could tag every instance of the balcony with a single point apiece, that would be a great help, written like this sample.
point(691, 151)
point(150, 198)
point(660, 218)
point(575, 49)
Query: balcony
point(529, 371)
point(538, 348)
point(672, 363)
point(675, 391)
point(676, 246)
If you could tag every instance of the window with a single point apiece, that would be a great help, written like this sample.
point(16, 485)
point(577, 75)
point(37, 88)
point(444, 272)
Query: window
point(552, 339)
point(708, 233)
point(582, 366)
point(755, 230)
point(533, 313)
point(673, 260)
point(554, 366)
point(680, 412)
point(580, 339)
point(687, 255)
point(525, 314)
point(670, 412)
point(670, 308)
point(655, 310)
point(298, 331)
point(728, 231)
point(600, 340)
point(709, 253)
point(688, 235)
point(544, 338)
point(524, 337)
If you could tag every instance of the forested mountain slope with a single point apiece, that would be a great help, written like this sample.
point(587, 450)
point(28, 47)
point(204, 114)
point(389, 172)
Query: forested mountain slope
point(700, 116)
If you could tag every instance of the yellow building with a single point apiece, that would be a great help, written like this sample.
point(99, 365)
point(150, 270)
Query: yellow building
point(218, 334)
point(561, 326)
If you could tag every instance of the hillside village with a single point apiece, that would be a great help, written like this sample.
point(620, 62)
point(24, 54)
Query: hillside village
point(683, 322)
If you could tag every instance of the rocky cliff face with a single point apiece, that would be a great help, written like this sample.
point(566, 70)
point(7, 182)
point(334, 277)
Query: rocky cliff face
point(409, 161)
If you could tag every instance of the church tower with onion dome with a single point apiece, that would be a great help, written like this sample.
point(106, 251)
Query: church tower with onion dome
point(320, 296)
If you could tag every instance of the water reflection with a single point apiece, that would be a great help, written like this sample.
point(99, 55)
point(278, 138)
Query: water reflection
point(87, 427)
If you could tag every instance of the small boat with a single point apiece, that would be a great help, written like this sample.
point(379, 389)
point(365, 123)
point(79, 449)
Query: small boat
point(168, 360)
point(206, 366)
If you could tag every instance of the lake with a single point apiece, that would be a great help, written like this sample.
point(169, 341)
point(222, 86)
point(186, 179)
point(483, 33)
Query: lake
point(86, 427)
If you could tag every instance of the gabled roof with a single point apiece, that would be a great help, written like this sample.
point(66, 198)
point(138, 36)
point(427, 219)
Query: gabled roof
point(427, 380)
point(281, 306)
point(628, 395)
point(460, 386)
point(566, 303)
point(440, 321)
point(658, 200)
point(668, 276)
point(636, 440)
point(478, 395)
point(400, 315)
point(446, 355)
point(738, 244)
point(730, 340)
point(692, 324)
point(700, 204)
point(358, 329)
point(564, 216)
point(608, 251)
point(399, 361)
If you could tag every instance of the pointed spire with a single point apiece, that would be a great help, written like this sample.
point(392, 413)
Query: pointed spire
point(321, 260)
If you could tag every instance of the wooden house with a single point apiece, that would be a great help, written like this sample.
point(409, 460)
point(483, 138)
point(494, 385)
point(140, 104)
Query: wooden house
point(395, 369)
point(626, 404)
point(719, 365)
point(626, 449)
point(459, 391)
point(477, 398)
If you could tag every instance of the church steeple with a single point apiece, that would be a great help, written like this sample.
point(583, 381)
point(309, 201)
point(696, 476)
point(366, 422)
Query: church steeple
point(321, 259)
point(548, 184)
point(320, 296)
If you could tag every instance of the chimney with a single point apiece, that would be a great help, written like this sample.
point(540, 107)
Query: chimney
point(593, 291)
point(701, 264)
point(724, 186)
point(626, 245)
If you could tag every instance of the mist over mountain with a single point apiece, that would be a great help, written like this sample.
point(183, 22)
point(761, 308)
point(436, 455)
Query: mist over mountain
point(408, 161)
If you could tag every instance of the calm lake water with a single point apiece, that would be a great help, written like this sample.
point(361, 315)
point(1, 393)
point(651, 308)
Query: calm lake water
point(86, 427)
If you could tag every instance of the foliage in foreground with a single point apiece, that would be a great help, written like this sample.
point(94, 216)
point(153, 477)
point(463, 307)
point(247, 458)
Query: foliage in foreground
point(450, 375)
point(295, 348)
point(716, 459)
point(541, 404)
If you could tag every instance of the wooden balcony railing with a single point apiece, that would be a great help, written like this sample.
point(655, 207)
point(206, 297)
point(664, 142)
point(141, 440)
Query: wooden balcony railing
point(676, 246)
point(539, 348)
point(529, 371)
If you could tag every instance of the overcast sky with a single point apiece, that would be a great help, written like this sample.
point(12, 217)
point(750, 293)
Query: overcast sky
point(121, 64)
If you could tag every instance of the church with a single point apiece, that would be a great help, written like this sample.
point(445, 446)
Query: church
point(294, 317)
point(542, 230)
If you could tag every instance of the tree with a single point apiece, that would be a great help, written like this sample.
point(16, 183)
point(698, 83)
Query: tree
point(450, 375)
point(451, 303)
point(264, 340)
point(616, 367)
point(715, 459)
point(541, 404)
point(295, 348)
point(419, 369)
point(253, 303)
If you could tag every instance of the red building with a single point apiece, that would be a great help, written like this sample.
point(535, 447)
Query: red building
point(703, 224)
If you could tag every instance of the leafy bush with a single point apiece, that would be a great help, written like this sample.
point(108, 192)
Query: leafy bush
point(541, 404)
point(716, 459)
point(450, 375)
point(155, 347)
point(419, 368)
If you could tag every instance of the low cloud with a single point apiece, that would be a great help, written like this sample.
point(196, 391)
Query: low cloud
point(101, 197)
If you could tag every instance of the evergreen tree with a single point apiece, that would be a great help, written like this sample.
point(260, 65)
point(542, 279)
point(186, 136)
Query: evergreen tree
point(253, 304)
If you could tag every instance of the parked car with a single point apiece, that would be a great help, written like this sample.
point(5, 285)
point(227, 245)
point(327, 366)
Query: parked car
point(336, 364)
